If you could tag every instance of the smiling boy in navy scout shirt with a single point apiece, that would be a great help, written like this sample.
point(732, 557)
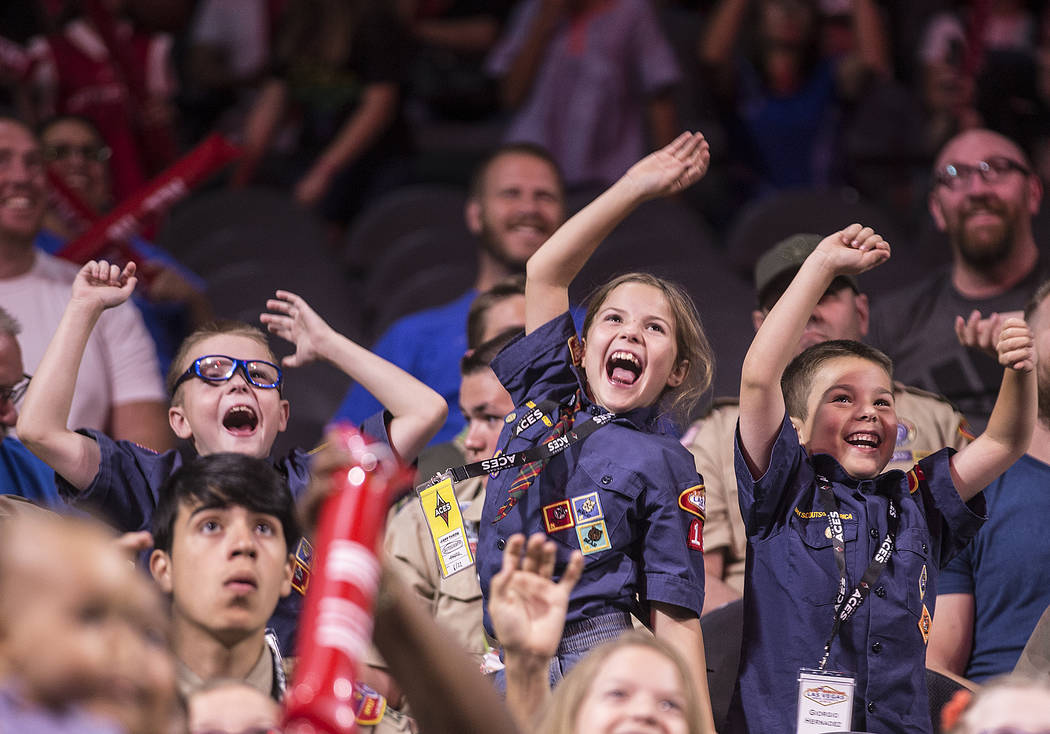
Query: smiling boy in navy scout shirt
point(827, 418)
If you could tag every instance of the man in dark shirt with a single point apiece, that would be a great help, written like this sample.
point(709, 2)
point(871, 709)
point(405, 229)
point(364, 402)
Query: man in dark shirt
point(983, 195)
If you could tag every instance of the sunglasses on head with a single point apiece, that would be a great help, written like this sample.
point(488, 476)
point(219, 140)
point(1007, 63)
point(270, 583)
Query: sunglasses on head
point(220, 368)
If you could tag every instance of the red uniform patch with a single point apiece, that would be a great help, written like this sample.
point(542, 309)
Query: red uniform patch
point(696, 535)
point(692, 501)
point(557, 516)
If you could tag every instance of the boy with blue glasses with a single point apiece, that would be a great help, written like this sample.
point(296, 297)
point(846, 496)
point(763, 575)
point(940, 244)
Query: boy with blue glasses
point(225, 397)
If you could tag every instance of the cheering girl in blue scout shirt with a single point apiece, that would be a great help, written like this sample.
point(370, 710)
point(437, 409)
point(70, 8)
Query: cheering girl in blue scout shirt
point(842, 559)
point(606, 482)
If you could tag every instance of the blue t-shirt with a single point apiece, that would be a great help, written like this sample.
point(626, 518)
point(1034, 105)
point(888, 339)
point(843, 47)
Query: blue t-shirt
point(791, 580)
point(23, 474)
point(1006, 568)
point(615, 495)
point(129, 476)
point(428, 345)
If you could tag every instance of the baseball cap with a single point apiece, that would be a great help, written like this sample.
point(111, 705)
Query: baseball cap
point(778, 265)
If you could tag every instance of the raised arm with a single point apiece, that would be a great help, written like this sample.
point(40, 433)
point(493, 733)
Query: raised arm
point(1010, 426)
point(549, 272)
point(418, 412)
point(850, 251)
point(680, 628)
point(45, 412)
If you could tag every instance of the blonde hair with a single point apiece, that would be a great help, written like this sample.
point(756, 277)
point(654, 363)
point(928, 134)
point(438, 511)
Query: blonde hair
point(690, 340)
point(179, 363)
point(565, 702)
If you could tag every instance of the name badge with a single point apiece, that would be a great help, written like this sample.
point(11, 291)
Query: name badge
point(443, 516)
point(825, 701)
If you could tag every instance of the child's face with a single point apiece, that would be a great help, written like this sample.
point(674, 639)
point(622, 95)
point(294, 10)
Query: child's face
point(851, 416)
point(227, 569)
point(79, 626)
point(630, 350)
point(233, 708)
point(484, 402)
point(232, 416)
point(637, 689)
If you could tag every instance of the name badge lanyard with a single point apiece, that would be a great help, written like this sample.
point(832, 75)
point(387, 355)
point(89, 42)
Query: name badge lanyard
point(542, 452)
point(845, 606)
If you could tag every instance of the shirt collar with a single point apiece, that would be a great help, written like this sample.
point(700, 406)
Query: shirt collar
point(826, 465)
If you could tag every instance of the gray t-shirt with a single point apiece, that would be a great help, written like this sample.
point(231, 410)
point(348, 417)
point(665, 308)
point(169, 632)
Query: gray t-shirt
point(915, 326)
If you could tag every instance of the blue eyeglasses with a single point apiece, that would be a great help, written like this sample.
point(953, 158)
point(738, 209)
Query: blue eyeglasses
point(220, 368)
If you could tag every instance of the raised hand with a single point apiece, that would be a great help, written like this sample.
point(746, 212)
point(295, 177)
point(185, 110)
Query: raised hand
point(294, 321)
point(854, 250)
point(673, 168)
point(1016, 346)
point(978, 332)
point(526, 605)
point(103, 284)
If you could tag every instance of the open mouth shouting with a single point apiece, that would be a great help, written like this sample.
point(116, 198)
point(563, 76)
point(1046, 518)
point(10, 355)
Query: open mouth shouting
point(241, 420)
point(864, 440)
point(623, 368)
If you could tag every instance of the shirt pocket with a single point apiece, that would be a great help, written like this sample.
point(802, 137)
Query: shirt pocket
point(603, 503)
point(811, 559)
point(914, 569)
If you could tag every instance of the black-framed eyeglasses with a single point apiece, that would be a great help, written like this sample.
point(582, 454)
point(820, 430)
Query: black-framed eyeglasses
point(89, 152)
point(220, 368)
point(957, 176)
point(15, 392)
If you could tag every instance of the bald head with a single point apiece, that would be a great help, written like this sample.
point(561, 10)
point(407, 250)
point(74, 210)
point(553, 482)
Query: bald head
point(982, 144)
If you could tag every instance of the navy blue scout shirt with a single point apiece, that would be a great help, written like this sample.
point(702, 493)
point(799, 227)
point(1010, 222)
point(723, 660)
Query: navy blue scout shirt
point(791, 581)
point(613, 495)
point(129, 477)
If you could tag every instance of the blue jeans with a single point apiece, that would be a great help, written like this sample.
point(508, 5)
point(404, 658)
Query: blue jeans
point(576, 641)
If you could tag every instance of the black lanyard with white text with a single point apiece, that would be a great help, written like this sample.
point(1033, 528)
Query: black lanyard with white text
point(846, 606)
point(540, 452)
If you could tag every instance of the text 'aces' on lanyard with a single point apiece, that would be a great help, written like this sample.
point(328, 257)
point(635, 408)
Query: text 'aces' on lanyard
point(541, 452)
point(845, 606)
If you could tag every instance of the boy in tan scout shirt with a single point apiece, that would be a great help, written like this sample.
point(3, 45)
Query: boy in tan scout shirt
point(454, 602)
point(926, 422)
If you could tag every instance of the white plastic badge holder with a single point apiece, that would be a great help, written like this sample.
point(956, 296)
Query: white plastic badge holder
point(825, 701)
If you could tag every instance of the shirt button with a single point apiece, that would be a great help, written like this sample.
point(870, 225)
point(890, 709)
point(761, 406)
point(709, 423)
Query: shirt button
point(501, 544)
point(923, 547)
point(871, 707)
point(873, 533)
point(606, 479)
point(880, 591)
point(876, 646)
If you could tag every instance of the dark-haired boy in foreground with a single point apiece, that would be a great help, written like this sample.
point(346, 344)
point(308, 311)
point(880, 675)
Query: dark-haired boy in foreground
point(224, 532)
point(813, 438)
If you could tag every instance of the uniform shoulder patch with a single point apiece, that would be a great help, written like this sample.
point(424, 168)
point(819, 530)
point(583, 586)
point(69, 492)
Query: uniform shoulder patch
point(693, 501)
